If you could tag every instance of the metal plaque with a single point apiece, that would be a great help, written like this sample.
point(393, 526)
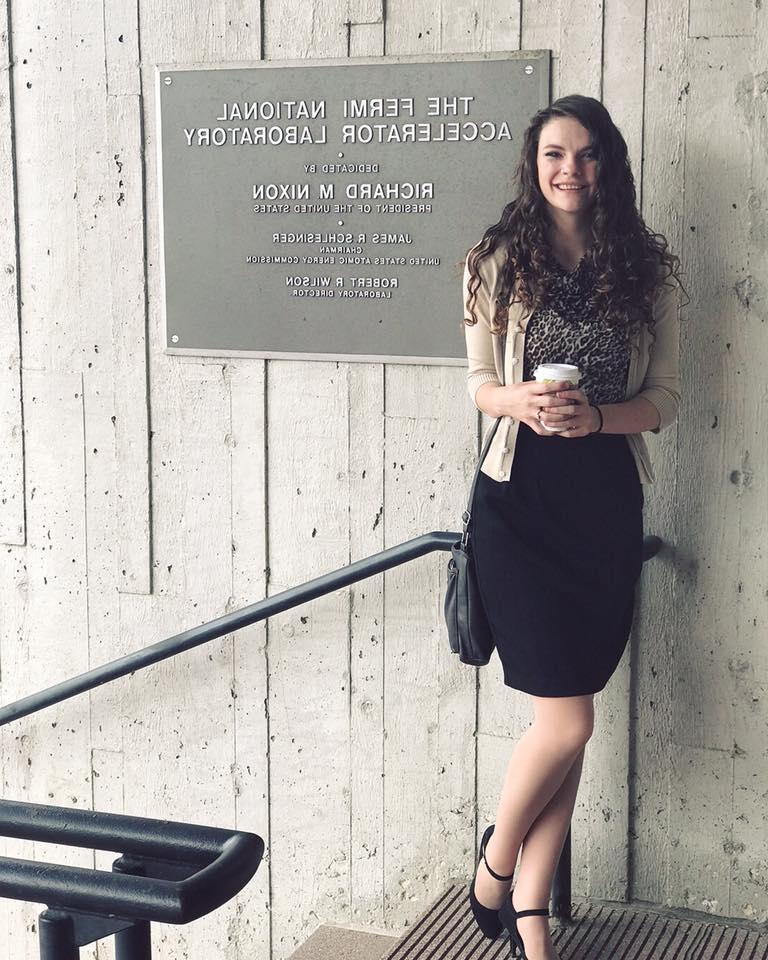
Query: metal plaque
point(321, 209)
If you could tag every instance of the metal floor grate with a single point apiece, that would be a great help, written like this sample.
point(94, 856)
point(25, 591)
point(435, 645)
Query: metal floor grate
point(599, 931)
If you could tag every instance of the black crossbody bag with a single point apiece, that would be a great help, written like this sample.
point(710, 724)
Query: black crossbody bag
point(469, 632)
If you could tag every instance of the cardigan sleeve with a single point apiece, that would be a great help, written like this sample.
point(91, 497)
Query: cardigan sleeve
point(661, 384)
point(481, 367)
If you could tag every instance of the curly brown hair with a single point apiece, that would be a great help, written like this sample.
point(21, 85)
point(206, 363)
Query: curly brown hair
point(625, 254)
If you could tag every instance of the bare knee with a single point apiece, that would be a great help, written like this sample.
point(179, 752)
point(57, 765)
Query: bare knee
point(582, 729)
point(571, 720)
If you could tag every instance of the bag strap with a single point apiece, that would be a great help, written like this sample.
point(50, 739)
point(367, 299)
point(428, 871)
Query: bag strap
point(467, 515)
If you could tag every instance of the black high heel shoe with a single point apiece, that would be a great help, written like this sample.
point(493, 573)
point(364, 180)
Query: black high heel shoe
point(508, 916)
point(487, 917)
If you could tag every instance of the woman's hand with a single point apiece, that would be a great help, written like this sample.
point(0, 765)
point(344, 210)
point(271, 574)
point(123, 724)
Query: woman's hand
point(580, 418)
point(523, 401)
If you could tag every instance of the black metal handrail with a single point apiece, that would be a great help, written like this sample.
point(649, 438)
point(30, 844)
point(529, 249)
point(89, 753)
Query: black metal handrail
point(223, 861)
point(181, 642)
point(169, 872)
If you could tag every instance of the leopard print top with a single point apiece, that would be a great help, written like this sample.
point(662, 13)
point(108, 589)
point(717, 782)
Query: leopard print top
point(567, 331)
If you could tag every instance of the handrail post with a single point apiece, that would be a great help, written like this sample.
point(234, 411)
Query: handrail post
point(57, 936)
point(135, 942)
point(561, 887)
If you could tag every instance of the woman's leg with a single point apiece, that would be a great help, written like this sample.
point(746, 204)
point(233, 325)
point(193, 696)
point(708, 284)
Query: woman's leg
point(538, 861)
point(537, 773)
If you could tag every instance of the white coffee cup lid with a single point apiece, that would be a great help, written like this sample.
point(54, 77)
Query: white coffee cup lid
point(557, 371)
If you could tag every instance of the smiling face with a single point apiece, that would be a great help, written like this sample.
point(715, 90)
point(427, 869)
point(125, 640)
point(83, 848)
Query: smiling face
point(564, 158)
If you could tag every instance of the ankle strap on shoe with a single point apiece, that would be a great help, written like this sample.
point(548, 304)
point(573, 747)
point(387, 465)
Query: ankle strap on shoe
point(492, 872)
point(539, 912)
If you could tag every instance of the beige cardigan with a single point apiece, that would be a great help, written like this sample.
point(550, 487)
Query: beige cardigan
point(653, 371)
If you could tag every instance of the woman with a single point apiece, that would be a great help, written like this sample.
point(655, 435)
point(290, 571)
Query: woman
point(569, 274)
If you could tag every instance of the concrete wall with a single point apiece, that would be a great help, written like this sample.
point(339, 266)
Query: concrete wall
point(141, 494)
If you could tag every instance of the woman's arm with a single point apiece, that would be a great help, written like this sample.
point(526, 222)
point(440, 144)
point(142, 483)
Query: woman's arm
point(518, 400)
point(661, 384)
point(656, 403)
point(487, 398)
point(481, 368)
point(630, 416)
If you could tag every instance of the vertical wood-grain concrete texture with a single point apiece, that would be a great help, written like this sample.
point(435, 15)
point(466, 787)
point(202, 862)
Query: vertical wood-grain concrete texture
point(141, 494)
point(699, 680)
point(11, 436)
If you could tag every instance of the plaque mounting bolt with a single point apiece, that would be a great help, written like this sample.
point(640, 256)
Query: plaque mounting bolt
point(341, 154)
point(529, 70)
point(167, 81)
point(175, 338)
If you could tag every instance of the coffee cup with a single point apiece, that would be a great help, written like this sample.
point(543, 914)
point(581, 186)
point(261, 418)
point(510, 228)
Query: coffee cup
point(553, 373)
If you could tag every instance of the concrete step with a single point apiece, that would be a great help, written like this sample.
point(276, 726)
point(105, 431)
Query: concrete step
point(330, 942)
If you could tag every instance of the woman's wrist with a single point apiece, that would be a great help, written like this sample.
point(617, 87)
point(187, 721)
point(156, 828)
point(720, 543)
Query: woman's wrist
point(599, 428)
point(629, 416)
point(485, 398)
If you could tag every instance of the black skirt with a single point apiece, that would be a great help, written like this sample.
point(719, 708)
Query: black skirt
point(558, 551)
